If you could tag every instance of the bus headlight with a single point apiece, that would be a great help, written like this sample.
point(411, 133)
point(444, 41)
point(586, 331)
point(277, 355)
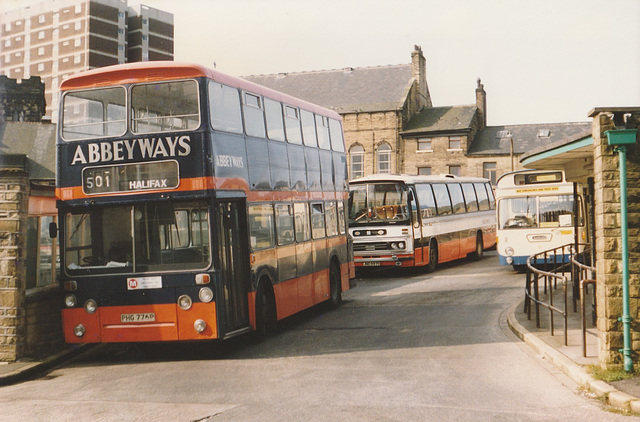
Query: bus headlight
point(90, 306)
point(184, 302)
point(401, 245)
point(79, 330)
point(205, 295)
point(508, 251)
point(200, 325)
point(70, 301)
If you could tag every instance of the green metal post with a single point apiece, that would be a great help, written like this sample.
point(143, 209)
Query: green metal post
point(620, 139)
point(626, 317)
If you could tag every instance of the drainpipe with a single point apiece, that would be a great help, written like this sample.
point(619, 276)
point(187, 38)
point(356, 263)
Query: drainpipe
point(619, 139)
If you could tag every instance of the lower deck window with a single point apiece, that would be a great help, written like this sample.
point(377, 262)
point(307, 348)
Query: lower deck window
point(137, 238)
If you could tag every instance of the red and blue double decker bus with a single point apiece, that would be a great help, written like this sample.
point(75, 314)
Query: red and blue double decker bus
point(194, 205)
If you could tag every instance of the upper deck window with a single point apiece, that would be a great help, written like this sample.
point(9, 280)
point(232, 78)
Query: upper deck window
point(95, 113)
point(337, 142)
point(253, 115)
point(224, 106)
point(275, 125)
point(292, 125)
point(165, 106)
point(322, 124)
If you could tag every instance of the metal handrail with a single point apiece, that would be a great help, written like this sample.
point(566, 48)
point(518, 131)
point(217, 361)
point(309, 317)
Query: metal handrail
point(585, 281)
point(548, 259)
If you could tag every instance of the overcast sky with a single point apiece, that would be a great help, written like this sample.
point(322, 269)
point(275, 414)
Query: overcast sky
point(540, 61)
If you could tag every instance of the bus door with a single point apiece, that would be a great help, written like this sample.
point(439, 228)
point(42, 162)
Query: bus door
point(233, 251)
point(416, 222)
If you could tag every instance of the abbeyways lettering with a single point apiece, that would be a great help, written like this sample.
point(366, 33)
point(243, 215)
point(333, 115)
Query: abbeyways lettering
point(129, 149)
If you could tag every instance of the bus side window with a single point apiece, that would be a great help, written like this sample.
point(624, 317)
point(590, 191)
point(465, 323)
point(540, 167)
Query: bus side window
point(342, 222)
point(442, 199)
point(317, 221)
point(253, 115)
point(261, 226)
point(335, 129)
point(292, 124)
point(470, 197)
point(322, 124)
point(492, 199)
point(224, 106)
point(483, 198)
point(308, 128)
point(331, 218)
point(275, 125)
point(456, 198)
point(301, 213)
point(426, 200)
point(284, 224)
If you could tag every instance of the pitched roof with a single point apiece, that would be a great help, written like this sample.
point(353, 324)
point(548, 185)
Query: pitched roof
point(346, 90)
point(35, 140)
point(495, 140)
point(441, 119)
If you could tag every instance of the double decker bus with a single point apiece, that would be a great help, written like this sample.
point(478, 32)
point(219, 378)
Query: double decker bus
point(536, 213)
point(194, 205)
point(407, 221)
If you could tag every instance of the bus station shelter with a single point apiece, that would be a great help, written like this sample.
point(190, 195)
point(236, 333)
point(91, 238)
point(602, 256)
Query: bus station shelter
point(594, 163)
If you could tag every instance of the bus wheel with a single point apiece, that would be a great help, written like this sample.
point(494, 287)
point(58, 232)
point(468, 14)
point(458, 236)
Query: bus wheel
point(433, 257)
point(477, 255)
point(335, 286)
point(265, 312)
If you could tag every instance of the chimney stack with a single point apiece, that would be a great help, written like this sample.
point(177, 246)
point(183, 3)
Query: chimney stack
point(481, 103)
point(419, 73)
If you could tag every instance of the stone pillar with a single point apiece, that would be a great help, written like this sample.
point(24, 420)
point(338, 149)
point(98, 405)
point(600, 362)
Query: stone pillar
point(608, 240)
point(14, 185)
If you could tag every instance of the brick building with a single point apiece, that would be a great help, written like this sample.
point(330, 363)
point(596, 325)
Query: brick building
point(391, 125)
point(57, 38)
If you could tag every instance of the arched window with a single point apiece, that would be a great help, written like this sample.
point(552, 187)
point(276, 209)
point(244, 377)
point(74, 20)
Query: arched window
point(357, 161)
point(384, 158)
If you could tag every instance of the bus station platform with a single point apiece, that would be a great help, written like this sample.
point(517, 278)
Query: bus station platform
point(570, 359)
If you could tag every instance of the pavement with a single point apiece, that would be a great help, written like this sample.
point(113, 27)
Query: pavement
point(569, 359)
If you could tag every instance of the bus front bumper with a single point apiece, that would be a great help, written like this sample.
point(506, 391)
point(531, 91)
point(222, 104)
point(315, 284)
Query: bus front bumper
point(159, 322)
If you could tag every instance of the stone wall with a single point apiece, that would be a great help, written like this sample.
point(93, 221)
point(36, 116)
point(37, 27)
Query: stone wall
point(14, 187)
point(608, 240)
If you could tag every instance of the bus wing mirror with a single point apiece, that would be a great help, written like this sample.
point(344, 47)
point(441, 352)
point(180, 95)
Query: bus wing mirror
point(53, 230)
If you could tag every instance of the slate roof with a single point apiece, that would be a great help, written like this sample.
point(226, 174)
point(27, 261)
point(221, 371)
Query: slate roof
point(494, 140)
point(35, 140)
point(441, 119)
point(346, 90)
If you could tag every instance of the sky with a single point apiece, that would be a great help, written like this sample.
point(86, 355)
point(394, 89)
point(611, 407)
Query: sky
point(540, 61)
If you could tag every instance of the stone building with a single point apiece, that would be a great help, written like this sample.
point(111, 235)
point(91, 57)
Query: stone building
point(391, 125)
point(21, 100)
point(29, 295)
point(594, 163)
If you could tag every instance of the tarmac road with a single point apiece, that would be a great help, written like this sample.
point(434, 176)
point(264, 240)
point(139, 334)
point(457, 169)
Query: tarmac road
point(405, 346)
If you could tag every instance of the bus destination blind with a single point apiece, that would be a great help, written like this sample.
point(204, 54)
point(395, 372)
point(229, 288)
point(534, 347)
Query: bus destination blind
point(135, 177)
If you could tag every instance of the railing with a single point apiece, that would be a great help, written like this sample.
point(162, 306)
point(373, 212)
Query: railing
point(586, 275)
point(550, 267)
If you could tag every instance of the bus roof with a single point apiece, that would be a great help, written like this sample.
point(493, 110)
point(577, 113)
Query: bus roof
point(153, 71)
point(405, 178)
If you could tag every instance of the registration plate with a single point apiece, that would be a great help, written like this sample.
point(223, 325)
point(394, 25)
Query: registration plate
point(146, 317)
point(371, 264)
